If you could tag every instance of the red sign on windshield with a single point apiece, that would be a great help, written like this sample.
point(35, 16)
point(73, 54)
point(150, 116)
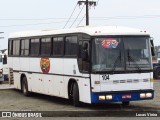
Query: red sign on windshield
point(110, 43)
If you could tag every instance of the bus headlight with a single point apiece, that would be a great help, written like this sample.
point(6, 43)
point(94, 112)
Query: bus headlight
point(142, 95)
point(108, 97)
point(101, 97)
point(148, 95)
point(145, 95)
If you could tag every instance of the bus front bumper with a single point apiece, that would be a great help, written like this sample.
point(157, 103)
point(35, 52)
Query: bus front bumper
point(121, 96)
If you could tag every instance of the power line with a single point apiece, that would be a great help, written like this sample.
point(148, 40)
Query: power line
point(125, 17)
point(33, 19)
point(81, 20)
point(92, 18)
point(70, 16)
point(33, 24)
point(74, 18)
point(77, 16)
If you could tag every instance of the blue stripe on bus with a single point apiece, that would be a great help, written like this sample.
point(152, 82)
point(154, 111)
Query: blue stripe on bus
point(117, 97)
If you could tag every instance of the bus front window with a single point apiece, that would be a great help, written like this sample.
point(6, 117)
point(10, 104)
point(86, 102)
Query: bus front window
point(121, 54)
point(137, 53)
point(107, 54)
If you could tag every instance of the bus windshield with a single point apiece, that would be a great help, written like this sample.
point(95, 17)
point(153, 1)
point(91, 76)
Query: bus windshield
point(121, 54)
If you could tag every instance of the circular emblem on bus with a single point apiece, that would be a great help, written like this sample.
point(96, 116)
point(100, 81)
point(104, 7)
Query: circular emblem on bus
point(45, 65)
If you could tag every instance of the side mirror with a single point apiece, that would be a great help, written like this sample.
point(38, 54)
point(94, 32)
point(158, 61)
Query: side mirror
point(152, 47)
point(5, 59)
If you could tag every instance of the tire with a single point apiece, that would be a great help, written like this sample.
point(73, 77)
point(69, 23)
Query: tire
point(25, 87)
point(157, 73)
point(125, 103)
point(76, 102)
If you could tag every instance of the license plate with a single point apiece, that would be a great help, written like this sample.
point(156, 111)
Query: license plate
point(127, 96)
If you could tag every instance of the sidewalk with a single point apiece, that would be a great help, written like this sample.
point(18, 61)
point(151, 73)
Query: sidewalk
point(6, 86)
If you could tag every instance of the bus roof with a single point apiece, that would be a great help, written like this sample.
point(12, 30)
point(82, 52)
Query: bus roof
point(93, 31)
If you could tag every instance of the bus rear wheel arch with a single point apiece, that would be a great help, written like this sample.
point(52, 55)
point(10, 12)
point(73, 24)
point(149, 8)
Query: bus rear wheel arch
point(24, 86)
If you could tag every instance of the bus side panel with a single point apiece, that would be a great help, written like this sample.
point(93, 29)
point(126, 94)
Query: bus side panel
point(35, 81)
point(34, 65)
point(84, 90)
point(16, 67)
point(17, 80)
point(56, 66)
point(24, 64)
point(53, 85)
point(16, 64)
point(10, 62)
point(56, 69)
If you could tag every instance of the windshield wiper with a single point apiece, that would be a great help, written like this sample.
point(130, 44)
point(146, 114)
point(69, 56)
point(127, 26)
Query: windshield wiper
point(130, 58)
point(118, 60)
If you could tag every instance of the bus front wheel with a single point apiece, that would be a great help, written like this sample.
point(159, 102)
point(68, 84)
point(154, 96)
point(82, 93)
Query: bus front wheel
point(157, 73)
point(76, 101)
point(25, 87)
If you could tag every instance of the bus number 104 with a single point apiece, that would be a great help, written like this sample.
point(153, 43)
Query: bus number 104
point(105, 77)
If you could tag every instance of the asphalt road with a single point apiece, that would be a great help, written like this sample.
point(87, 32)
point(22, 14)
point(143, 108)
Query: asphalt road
point(13, 100)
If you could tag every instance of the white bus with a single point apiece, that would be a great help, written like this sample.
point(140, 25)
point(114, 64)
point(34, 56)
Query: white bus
point(86, 64)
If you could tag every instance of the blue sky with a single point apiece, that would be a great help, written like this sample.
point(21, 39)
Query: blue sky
point(20, 15)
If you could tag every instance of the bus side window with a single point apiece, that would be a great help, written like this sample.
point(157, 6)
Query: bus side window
point(34, 49)
point(45, 46)
point(58, 46)
point(25, 47)
point(16, 47)
point(71, 46)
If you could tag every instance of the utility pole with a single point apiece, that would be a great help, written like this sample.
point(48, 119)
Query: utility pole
point(87, 3)
point(87, 14)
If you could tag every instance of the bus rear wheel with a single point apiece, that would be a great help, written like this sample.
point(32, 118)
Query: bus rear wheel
point(76, 101)
point(25, 87)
